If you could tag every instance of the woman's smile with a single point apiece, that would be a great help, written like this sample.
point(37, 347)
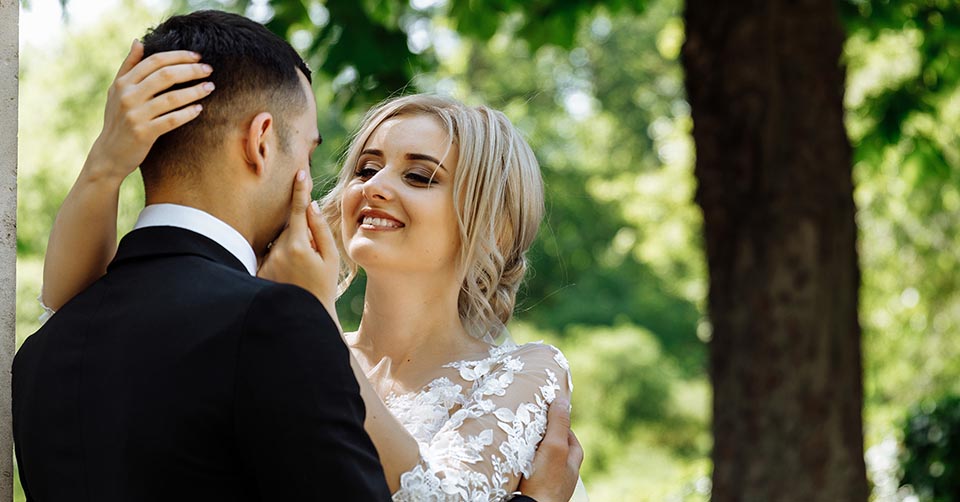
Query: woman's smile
point(372, 219)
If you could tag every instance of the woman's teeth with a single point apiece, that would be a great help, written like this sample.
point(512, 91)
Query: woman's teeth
point(380, 222)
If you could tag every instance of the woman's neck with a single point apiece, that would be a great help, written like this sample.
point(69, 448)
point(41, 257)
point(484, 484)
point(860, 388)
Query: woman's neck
point(411, 326)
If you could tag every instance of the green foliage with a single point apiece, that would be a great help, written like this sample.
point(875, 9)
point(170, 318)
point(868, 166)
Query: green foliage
point(624, 367)
point(358, 46)
point(903, 117)
point(931, 457)
point(895, 113)
point(364, 36)
point(539, 22)
point(642, 426)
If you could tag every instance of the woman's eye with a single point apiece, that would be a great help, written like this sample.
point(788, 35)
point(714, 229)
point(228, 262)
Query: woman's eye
point(420, 178)
point(365, 171)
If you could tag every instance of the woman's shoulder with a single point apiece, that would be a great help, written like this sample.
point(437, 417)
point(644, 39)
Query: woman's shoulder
point(538, 353)
point(538, 362)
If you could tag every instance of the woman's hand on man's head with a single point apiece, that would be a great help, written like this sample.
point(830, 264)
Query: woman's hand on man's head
point(139, 111)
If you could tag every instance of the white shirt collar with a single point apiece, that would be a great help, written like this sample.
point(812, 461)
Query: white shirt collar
point(203, 223)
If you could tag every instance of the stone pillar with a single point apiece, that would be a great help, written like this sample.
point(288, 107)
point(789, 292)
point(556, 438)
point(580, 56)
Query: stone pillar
point(9, 66)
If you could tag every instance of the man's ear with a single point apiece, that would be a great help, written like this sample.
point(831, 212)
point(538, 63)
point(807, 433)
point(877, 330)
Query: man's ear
point(257, 144)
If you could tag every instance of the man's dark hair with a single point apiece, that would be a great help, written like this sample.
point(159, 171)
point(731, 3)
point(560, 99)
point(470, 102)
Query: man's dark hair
point(253, 69)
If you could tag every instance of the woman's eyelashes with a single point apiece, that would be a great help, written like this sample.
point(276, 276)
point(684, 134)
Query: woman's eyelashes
point(366, 171)
point(419, 177)
point(413, 176)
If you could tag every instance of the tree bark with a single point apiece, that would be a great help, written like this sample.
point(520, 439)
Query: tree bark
point(765, 85)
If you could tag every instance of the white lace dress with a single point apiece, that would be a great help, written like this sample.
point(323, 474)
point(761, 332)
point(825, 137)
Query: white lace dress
point(478, 428)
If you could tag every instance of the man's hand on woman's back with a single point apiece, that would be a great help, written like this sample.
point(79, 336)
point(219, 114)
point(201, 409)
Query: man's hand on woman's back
point(556, 467)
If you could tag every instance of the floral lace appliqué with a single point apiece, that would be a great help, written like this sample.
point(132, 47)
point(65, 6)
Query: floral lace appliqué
point(477, 437)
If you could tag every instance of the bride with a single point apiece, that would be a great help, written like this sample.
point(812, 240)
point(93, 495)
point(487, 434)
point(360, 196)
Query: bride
point(438, 203)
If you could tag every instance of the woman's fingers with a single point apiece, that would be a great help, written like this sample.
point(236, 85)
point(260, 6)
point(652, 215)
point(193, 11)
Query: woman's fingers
point(297, 224)
point(166, 123)
point(150, 112)
point(294, 259)
point(150, 65)
point(176, 100)
point(134, 57)
point(168, 76)
point(322, 236)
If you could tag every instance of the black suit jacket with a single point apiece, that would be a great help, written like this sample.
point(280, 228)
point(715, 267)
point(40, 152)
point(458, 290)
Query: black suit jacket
point(178, 376)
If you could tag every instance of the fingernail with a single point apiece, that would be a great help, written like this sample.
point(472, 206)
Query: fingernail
point(315, 207)
point(208, 86)
point(207, 68)
point(301, 175)
point(133, 44)
point(198, 108)
point(196, 55)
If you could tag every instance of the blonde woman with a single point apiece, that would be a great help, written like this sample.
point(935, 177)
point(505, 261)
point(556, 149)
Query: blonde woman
point(438, 203)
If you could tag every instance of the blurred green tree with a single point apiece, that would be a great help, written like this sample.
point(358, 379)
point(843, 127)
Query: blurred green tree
point(903, 102)
point(931, 456)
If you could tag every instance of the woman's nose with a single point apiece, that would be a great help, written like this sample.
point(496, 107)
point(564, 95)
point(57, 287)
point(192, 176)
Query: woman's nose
point(378, 186)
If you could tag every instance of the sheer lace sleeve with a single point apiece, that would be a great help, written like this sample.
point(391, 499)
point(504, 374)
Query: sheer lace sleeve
point(47, 311)
point(479, 453)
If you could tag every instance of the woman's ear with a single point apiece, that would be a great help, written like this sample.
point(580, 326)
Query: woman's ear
point(256, 142)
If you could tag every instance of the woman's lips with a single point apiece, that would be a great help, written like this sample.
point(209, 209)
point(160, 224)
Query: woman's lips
point(372, 219)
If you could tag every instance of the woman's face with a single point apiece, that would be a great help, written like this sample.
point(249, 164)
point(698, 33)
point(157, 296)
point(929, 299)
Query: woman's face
point(398, 212)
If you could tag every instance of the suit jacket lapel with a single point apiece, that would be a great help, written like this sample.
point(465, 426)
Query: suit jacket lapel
point(152, 242)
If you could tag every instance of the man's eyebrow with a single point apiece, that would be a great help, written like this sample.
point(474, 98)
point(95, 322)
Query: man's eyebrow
point(423, 156)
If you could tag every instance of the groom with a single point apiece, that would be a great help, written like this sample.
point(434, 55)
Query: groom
point(179, 374)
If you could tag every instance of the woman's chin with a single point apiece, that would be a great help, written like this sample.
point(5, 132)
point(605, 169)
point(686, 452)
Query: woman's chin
point(366, 254)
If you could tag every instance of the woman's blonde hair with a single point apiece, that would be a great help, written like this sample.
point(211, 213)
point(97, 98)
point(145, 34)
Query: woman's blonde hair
point(498, 195)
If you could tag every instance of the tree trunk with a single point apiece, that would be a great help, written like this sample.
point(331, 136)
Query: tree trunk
point(765, 85)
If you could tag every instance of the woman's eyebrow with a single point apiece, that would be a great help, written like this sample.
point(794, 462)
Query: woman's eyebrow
point(423, 156)
point(372, 151)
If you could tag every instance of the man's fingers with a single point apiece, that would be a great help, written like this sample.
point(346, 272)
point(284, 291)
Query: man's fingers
point(575, 456)
point(322, 236)
point(175, 100)
point(171, 75)
point(134, 57)
point(559, 415)
point(148, 66)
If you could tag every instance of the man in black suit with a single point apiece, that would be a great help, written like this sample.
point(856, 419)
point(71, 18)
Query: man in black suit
point(179, 375)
